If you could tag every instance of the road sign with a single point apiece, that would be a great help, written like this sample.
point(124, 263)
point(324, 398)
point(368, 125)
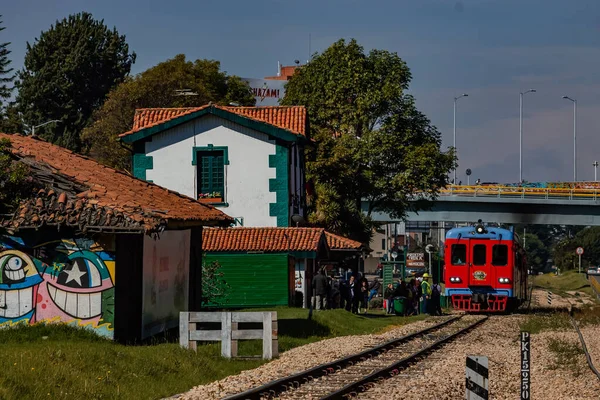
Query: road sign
point(477, 382)
point(579, 250)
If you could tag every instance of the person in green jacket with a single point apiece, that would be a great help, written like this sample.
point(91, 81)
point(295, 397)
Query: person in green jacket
point(426, 290)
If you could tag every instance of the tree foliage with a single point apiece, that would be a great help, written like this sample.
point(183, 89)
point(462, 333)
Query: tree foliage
point(372, 143)
point(214, 288)
point(156, 87)
point(537, 252)
point(6, 75)
point(15, 180)
point(67, 74)
point(588, 238)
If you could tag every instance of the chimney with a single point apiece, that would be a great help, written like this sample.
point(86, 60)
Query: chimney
point(278, 68)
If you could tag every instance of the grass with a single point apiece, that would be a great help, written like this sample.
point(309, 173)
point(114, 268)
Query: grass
point(546, 322)
point(567, 281)
point(57, 361)
point(566, 355)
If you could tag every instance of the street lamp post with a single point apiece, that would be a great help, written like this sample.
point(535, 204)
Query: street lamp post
point(45, 123)
point(456, 152)
point(595, 164)
point(521, 132)
point(574, 136)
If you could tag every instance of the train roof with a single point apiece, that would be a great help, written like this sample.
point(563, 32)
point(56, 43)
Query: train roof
point(468, 232)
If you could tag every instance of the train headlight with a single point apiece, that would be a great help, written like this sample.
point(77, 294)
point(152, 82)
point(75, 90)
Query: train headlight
point(455, 279)
point(503, 280)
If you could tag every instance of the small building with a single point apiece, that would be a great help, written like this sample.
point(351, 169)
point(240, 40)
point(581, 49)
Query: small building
point(246, 161)
point(275, 266)
point(97, 248)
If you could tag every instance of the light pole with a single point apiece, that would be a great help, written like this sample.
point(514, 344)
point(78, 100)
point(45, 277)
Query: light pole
point(521, 132)
point(37, 126)
point(456, 152)
point(595, 164)
point(574, 136)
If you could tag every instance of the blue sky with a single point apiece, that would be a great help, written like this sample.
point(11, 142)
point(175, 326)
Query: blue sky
point(490, 49)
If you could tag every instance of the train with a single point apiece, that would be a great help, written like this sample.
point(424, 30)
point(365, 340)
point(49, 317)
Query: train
point(485, 269)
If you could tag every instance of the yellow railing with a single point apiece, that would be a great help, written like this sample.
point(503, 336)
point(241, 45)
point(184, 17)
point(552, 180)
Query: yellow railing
point(595, 282)
point(522, 192)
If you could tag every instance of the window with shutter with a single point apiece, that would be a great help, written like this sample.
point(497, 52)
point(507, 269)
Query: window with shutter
point(211, 174)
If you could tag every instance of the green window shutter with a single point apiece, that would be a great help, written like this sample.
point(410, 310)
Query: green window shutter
point(212, 173)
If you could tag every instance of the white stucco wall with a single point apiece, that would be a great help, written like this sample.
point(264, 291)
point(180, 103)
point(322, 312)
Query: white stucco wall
point(246, 177)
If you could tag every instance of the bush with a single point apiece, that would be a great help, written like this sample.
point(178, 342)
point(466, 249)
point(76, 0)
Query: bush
point(376, 303)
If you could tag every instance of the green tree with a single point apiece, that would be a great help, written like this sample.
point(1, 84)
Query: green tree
point(15, 179)
point(537, 252)
point(371, 141)
point(6, 75)
point(67, 74)
point(214, 288)
point(157, 87)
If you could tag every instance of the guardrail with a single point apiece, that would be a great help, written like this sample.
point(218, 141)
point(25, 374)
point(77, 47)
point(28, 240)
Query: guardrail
point(521, 192)
point(229, 332)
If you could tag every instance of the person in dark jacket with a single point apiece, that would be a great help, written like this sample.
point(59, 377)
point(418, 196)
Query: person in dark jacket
point(320, 287)
point(354, 294)
point(374, 289)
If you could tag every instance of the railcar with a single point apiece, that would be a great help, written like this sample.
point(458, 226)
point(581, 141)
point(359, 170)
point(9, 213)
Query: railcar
point(485, 269)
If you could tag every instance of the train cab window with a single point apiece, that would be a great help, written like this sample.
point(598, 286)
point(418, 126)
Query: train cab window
point(459, 254)
point(499, 255)
point(479, 255)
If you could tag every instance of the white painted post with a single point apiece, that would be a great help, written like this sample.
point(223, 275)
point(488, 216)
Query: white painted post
point(226, 334)
point(184, 330)
point(580, 263)
point(267, 336)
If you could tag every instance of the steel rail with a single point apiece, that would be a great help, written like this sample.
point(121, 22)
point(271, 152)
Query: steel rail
point(585, 350)
point(294, 381)
point(391, 370)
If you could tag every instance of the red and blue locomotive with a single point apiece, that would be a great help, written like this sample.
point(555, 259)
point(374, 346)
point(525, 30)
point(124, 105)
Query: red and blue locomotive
point(485, 269)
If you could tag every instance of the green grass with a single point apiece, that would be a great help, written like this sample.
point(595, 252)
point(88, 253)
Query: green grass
point(566, 356)
point(57, 361)
point(546, 322)
point(567, 281)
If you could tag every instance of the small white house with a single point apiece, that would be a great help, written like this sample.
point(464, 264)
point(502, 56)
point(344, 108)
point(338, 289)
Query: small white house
point(246, 161)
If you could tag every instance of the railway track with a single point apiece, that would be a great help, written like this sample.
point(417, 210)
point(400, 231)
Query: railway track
point(358, 372)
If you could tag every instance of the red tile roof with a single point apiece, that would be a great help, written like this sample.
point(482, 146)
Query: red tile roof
point(292, 118)
point(97, 192)
point(263, 239)
point(337, 242)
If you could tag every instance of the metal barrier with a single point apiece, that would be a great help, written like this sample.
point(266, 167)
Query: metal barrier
point(520, 192)
point(229, 332)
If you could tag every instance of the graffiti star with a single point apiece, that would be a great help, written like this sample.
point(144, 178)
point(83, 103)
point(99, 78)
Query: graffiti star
point(75, 274)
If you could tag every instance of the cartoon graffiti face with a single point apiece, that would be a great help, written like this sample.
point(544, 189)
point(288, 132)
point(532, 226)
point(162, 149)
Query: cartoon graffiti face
point(19, 282)
point(79, 286)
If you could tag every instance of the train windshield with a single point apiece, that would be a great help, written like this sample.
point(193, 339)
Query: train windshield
point(479, 254)
point(500, 255)
point(459, 254)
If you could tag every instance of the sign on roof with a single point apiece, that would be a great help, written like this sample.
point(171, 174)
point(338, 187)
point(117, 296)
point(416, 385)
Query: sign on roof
point(266, 92)
point(415, 260)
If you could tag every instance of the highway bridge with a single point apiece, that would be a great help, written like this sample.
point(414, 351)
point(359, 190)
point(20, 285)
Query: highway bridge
point(576, 205)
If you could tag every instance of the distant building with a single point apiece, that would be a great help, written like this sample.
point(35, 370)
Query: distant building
point(270, 90)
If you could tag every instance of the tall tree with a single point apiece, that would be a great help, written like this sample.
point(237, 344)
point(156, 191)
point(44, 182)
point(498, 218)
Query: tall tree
point(372, 143)
point(537, 252)
point(6, 75)
point(67, 74)
point(158, 87)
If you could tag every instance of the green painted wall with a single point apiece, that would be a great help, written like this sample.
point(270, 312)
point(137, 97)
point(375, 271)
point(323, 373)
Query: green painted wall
point(255, 279)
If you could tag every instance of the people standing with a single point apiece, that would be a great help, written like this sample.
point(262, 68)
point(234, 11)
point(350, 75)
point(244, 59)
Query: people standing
point(354, 294)
point(364, 294)
point(426, 294)
point(388, 294)
point(374, 289)
point(320, 286)
point(415, 289)
point(436, 292)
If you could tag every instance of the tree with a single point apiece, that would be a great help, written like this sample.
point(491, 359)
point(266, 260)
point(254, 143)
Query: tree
point(6, 75)
point(537, 252)
point(156, 87)
point(372, 143)
point(67, 74)
point(15, 179)
point(214, 288)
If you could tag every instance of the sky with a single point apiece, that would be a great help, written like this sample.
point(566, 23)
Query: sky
point(490, 49)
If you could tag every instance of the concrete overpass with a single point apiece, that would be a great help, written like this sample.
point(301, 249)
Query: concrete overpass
point(510, 205)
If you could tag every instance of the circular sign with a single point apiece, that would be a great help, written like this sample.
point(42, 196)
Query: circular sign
point(468, 171)
point(394, 255)
point(579, 250)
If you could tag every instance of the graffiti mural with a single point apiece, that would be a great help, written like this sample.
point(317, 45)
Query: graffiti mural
point(69, 281)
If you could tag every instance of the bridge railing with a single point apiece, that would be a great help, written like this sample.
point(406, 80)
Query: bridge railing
point(520, 192)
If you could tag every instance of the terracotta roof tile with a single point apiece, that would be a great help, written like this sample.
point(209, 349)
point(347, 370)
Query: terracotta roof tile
point(291, 118)
point(104, 189)
point(262, 239)
point(337, 242)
